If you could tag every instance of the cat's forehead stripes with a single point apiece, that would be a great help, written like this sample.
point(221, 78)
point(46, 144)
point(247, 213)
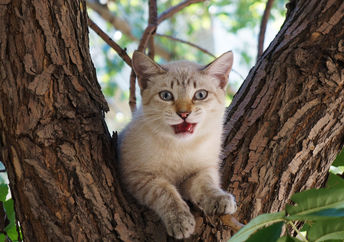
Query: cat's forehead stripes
point(181, 82)
point(183, 72)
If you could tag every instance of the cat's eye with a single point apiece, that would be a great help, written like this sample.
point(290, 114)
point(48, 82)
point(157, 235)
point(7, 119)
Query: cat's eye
point(200, 94)
point(166, 95)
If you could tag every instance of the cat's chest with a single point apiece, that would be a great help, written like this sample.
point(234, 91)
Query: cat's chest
point(183, 157)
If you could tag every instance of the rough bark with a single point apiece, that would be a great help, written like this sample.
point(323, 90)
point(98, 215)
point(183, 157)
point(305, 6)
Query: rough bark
point(284, 127)
point(54, 141)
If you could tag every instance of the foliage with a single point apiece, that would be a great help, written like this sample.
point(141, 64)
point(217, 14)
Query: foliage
point(339, 162)
point(193, 24)
point(197, 24)
point(320, 211)
point(336, 171)
point(10, 231)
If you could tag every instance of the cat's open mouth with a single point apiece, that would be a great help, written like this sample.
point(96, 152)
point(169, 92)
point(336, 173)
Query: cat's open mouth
point(184, 127)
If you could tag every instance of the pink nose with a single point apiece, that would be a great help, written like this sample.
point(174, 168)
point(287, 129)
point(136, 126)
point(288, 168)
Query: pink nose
point(183, 115)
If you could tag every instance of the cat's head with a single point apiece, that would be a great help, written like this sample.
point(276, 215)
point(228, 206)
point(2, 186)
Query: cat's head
point(182, 98)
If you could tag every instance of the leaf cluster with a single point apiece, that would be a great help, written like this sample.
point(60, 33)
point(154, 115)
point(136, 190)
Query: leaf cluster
point(320, 213)
point(9, 233)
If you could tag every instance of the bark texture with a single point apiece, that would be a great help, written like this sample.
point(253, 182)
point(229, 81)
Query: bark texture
point(286, 123)
point(53, 138)
point(284, 127)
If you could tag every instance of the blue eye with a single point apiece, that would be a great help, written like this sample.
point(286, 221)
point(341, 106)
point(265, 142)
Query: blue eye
point(201, 94)
point(166, 95)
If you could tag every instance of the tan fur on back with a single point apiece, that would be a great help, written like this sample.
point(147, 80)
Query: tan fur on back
point(161, 168)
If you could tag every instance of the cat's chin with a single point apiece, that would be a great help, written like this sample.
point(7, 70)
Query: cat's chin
point(184, 129)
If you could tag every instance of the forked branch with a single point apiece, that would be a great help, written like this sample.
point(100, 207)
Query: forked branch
point(150, 30)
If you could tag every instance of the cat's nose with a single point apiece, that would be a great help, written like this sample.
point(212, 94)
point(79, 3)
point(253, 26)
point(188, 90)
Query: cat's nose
point(183, 115)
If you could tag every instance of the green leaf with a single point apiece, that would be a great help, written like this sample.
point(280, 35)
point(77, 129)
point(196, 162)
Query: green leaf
point(334, 181)
point(2, 237)
point(305, 227)
point(339, 161)
point(256, 224)
point(310, 203)
point(287, 238)
point(268, 234)
point(3, 192)
point(327, 230)
point(11, 231)
point(11, 228)
point(9, 209)
point(328, 213)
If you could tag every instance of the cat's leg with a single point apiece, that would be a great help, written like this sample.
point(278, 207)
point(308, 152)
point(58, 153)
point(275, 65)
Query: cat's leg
point(203, 188)
point(162, 197)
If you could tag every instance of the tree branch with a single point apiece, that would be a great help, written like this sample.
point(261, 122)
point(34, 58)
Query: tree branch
point(153, 19)
point(263, 25)
point(132, 91)
point(173, 10)
point(121, 52)
point(122, 26)
point(195, 46)
point(147, 34)
point(107, 15)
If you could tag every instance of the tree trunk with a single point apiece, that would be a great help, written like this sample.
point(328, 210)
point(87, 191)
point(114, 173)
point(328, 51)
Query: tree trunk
point(286, 123)
point(284, 127)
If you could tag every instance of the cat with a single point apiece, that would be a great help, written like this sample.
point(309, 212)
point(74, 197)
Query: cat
point(170, 150)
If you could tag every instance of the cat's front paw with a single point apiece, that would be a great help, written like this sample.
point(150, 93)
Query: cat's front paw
point(180, 225)
point(219, 204)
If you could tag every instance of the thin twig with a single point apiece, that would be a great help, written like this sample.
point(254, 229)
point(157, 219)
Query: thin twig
point(149, 32)
point(151, 47)
point(122, 26)
point(119, 23)
point(143, 44)
point(121, 52)
point(153, 19)
point(145, 37)
point(195, 46)
point(263, 25)
point(173, 10)
point(186, 42)
point(132, 91)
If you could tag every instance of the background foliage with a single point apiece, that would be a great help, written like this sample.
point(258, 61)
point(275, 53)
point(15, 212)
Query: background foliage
point(217, 26)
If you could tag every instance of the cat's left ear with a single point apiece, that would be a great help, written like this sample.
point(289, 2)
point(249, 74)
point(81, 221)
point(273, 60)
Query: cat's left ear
point(144, 68)
point(220, 68)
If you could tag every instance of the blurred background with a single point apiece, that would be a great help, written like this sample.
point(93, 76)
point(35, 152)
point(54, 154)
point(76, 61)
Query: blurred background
point(215, 26)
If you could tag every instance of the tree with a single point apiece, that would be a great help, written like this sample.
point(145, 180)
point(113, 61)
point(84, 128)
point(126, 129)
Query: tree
point(283, 129)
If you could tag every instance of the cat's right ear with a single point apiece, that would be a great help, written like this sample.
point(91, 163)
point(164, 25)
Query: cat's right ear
point(145, 67)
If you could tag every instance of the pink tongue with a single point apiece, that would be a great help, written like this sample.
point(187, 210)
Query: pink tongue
point(183, 128)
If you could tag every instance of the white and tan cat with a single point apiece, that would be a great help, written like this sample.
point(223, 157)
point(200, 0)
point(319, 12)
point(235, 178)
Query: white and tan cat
point(170, 150)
